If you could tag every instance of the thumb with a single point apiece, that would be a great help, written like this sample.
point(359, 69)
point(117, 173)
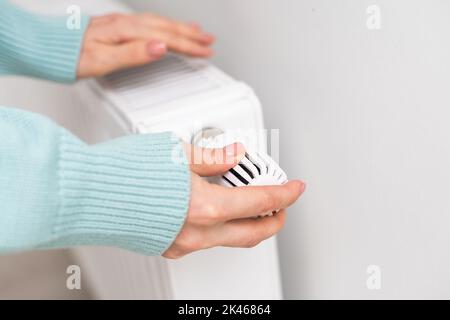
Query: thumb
point(213, 162)
point(136, 53)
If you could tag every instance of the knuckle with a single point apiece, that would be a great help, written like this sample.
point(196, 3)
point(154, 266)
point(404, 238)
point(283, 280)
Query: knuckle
point(257, 236)
point(185, 244)
point(203, 211)
point(124, 25)
point(189, 241)
point(117, 17)
point(211, 211)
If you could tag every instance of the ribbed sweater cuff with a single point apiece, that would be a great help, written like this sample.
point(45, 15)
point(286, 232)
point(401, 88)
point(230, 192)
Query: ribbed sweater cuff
point(39, 46)
point(128, 192)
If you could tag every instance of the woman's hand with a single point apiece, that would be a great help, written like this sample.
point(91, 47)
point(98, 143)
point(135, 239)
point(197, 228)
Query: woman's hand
point(119, 41)
point(221, 216)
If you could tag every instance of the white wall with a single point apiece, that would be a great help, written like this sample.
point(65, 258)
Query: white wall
point(364, 120)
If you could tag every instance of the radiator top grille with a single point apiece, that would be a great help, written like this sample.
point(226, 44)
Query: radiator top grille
point(164, 81)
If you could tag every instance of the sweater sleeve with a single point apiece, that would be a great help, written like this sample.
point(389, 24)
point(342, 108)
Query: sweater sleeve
point(37, 45)
point(56, 191)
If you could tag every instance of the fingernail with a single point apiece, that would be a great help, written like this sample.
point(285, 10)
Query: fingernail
point(156, 48)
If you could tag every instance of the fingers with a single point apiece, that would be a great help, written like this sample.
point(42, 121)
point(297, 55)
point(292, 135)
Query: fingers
point(247, 233)
point(244, 202)
point(180, 37)
point(131, 54)
point(212, 162)
point(220, 216)
point(244, 233)
point(117, 41)
point(175, 41)
point(191, 31)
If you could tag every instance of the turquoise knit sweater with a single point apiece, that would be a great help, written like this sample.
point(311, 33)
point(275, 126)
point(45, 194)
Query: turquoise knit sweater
point(56, 191)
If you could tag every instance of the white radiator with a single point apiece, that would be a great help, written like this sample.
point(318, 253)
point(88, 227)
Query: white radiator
point(183, 96)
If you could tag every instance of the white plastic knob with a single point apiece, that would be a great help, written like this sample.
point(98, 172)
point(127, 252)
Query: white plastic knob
point(255, 169)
